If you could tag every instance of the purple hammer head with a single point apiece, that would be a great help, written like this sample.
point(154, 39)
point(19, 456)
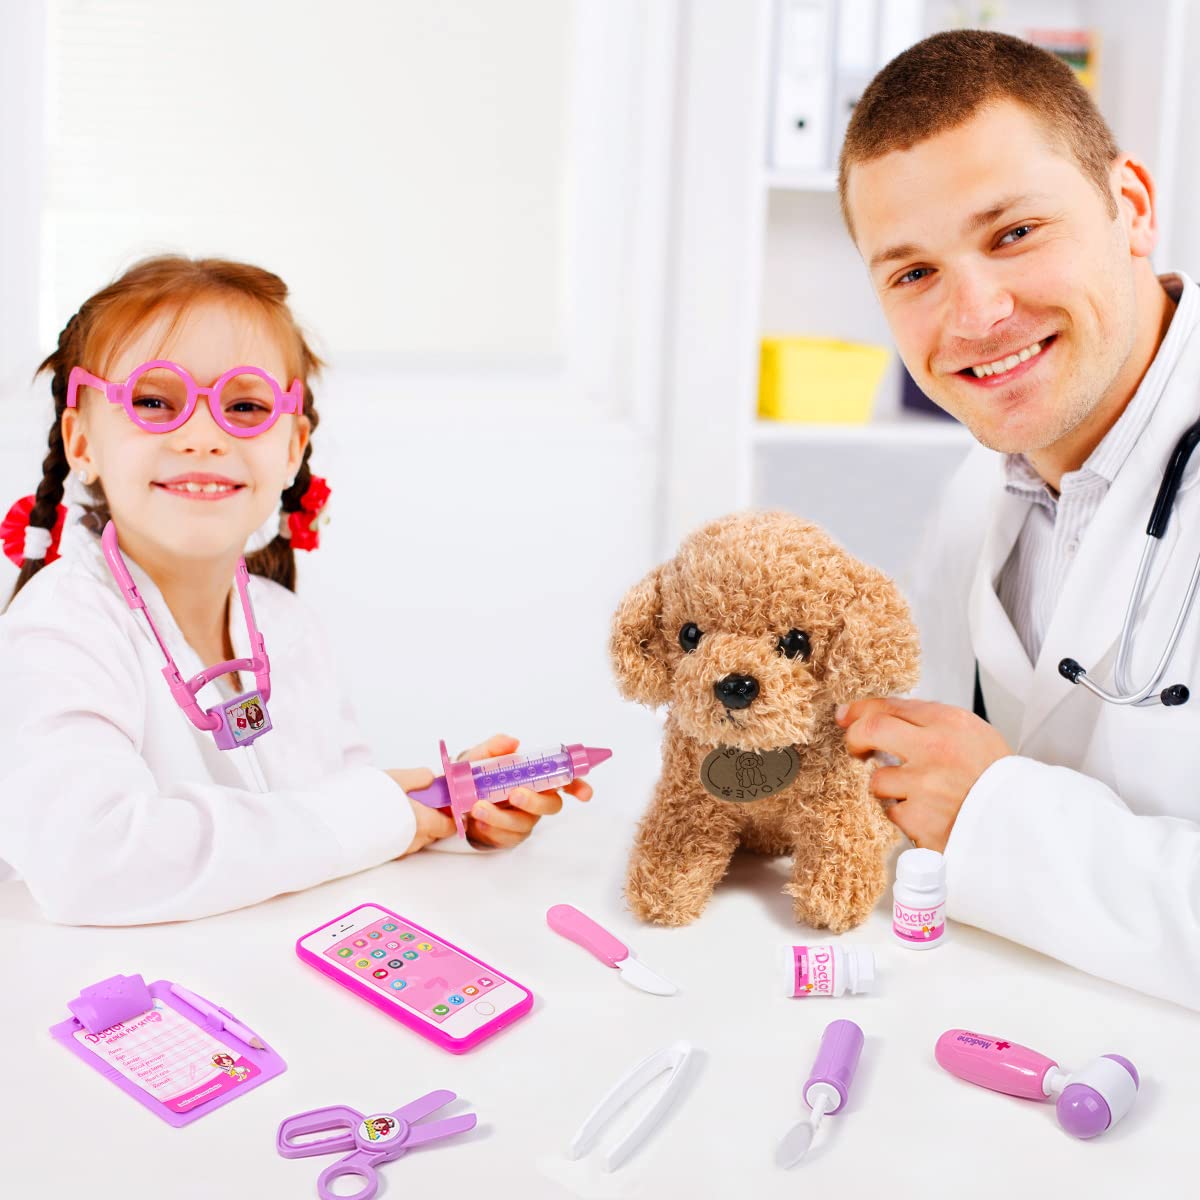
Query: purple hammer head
point(1082, 1111)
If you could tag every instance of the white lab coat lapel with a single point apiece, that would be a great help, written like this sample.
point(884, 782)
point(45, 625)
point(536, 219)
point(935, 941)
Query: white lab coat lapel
point(1005, 672)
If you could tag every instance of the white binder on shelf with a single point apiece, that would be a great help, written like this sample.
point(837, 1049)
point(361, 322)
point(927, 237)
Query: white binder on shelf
point(856, 60)
point(803, 85)
point(826, 52)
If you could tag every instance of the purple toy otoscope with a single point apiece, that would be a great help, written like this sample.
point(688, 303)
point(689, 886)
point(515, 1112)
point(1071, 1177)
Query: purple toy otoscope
point(541, 770)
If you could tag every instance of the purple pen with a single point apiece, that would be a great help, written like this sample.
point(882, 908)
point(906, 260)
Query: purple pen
point(826, 1088)
point(541, 770)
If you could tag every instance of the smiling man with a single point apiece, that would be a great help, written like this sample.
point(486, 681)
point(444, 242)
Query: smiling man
point(1007, 237)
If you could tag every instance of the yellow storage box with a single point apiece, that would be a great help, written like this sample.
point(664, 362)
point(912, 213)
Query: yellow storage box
point(819, 380)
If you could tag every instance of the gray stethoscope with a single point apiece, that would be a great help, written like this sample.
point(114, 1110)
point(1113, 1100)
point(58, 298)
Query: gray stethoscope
point(1177, 693)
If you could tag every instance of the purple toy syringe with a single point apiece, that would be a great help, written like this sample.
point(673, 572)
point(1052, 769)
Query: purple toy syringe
point(540, 770)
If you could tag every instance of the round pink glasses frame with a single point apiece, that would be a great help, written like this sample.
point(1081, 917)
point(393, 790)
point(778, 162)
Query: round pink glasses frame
point(291, 401)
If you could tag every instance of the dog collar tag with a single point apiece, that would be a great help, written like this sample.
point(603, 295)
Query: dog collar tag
point(745, 775)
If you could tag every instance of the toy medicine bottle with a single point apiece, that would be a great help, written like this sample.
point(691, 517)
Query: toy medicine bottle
point(828, 970)
point(919, 900)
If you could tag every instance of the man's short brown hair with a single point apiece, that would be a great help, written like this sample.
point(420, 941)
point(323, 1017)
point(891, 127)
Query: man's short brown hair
point(943, 81)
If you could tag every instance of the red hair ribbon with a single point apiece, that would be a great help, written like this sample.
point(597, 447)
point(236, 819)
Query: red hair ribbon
point(303, 525)
point(12, 531)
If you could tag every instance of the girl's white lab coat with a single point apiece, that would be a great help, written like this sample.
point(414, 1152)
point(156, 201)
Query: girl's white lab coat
point(116, 810)
point(1085, 844)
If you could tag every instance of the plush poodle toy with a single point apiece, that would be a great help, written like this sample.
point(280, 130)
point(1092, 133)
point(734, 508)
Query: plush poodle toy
point(752, 636)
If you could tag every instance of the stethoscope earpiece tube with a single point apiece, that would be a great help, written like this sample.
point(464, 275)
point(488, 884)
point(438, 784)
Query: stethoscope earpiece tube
point(1169, 697)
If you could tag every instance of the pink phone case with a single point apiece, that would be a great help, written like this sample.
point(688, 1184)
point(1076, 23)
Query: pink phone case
point(399, 1011)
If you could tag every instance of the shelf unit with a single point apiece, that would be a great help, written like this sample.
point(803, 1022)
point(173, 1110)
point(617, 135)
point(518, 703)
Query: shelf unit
point(763, 251)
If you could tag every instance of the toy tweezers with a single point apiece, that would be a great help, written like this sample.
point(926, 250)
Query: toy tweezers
point(673, 1058)
point(372, 1140)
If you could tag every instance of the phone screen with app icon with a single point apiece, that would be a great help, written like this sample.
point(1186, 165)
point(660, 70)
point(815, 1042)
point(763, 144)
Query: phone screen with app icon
point(412, 967)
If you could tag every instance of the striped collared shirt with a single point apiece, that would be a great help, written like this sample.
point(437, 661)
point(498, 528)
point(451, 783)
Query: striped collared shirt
point(1032, 579)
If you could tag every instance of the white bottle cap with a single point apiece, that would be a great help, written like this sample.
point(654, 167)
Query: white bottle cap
point(860, 969)
point(924, 870)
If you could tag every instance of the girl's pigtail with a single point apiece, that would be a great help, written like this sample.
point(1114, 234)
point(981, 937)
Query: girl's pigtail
point(55, 467)
point(277, 560)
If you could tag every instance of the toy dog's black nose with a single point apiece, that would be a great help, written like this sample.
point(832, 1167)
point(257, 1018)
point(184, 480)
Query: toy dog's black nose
point(736, 691)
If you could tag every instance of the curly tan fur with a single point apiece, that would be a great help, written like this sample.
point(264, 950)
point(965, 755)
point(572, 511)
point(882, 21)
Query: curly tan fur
point(745, 581)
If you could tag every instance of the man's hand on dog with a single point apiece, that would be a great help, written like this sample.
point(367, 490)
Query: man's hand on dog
point(943, 751)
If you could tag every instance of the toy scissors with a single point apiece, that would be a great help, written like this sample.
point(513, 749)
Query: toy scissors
point(372, 1140)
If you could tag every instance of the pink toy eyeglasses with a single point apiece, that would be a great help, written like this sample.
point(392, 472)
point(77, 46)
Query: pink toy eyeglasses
point(160, 396)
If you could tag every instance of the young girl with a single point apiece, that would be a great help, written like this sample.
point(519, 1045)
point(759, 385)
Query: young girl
point(113, 807)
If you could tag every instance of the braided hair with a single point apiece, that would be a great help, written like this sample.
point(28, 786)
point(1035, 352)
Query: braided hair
point(107, 319)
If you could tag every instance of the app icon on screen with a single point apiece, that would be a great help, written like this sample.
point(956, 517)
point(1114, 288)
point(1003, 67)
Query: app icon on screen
point(379, 954)
point(424, 946)
point(374, 934)
point(380, 974)
point(399, 984)
point(345, 952)
point(360, 941)
point(393, 945)
point(470, 991)
point(363, 962)
point(456, 999)
point(395, 963)
point(411, 954)
point(440, 1009)
point(485, 982)
point(389, 927)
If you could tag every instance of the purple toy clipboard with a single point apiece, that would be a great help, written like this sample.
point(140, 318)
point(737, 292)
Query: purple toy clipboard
point(170, 1057)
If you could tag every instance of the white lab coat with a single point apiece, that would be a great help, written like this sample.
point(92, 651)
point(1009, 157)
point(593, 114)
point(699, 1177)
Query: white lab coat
point(1085, 844)
point(116, 810)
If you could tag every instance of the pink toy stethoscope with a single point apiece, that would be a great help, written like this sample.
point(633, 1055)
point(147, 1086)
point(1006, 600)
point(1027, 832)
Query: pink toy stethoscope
point(234, 723)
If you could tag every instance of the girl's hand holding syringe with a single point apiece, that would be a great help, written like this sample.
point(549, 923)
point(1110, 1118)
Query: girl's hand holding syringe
point(500, 824)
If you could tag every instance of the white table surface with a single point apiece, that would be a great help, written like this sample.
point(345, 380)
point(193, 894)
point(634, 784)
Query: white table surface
point(909, 1130)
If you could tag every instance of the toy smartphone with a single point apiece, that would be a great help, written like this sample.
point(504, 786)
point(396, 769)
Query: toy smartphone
point(433, 987)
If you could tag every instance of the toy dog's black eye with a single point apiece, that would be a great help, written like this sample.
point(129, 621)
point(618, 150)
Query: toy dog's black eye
point(689, 637)
point(794, 644)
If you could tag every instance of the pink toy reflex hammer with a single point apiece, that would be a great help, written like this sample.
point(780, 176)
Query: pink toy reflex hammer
point(1090, 1100)
point(541, 770)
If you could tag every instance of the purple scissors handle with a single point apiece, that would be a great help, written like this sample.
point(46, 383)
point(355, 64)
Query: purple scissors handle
point(319, 1120)
point(371, 1140)
point(359, 1163)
